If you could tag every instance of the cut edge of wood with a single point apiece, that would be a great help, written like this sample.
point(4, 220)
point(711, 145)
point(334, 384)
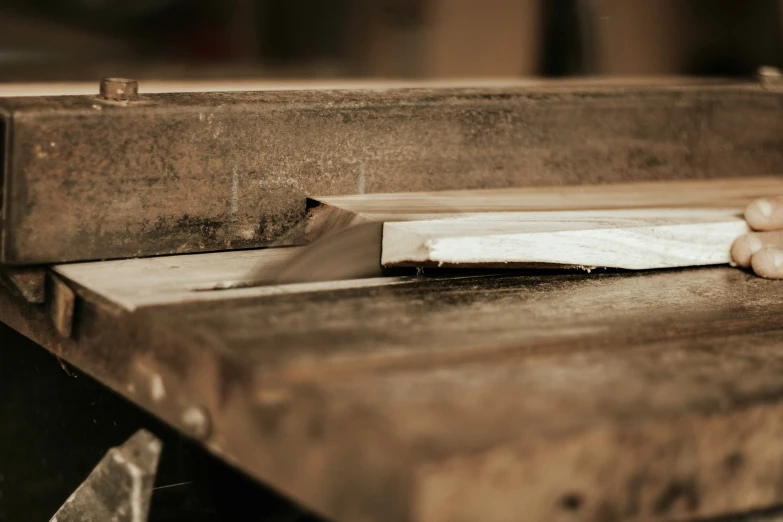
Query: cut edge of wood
point(633, 248)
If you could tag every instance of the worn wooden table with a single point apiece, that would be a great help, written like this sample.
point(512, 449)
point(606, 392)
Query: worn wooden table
point(561, 395)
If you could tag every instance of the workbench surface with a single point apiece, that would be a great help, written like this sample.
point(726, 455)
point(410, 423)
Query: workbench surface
point(560, 395)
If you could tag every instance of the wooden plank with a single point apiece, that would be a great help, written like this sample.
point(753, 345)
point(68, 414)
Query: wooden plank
point(219, 276)
point(641, 225)
point(330, 213)
point(631, 239)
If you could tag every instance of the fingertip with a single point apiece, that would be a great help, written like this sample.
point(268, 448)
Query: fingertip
point(768, 263)
point(758, 213)
point(743, 249)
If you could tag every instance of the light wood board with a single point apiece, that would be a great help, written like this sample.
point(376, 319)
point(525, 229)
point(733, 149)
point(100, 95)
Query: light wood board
point(634, 225)
point(137, 283)
point(630, 239)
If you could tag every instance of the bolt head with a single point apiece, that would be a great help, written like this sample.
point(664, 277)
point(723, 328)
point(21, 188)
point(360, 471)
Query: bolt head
point(195, 420)
point(119, 89)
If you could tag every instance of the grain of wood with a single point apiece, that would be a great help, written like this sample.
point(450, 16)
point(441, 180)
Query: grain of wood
point(721, 193)
point(631, 225)
point(635, 239)
point(137, 283)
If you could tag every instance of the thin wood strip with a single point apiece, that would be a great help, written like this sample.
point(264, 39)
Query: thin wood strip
point(329, 214)
point(221, 276)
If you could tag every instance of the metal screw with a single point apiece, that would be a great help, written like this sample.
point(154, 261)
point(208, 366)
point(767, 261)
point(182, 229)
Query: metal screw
point(119, 89)
point(196, 422)
point(770, 77)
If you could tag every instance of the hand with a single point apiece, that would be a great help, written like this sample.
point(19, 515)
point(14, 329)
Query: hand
point(762, 249)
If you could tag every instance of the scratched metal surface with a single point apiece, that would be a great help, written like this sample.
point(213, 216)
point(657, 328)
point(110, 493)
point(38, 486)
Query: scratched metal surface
point(598, 396)
point(173, 173)
point(601, 396)
point(30, 464)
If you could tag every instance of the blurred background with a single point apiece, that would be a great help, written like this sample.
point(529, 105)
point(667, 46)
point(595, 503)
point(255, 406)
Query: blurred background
point(81, 40)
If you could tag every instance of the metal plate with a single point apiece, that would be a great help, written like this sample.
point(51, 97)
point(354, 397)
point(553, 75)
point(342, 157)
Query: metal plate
point(637, 395)
point(87, 178)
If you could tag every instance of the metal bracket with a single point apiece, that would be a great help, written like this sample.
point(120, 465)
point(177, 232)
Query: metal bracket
point(119, 489)
point(62, 303)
